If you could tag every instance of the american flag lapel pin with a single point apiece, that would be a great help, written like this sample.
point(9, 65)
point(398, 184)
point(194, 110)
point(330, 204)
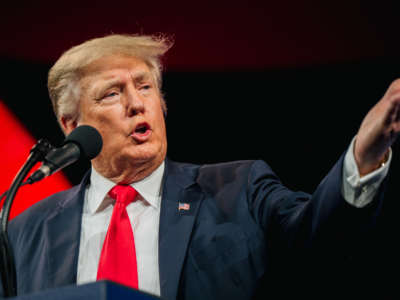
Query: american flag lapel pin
point(183, 206)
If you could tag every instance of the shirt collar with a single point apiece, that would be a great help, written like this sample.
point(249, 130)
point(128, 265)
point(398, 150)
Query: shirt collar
point(149, 189)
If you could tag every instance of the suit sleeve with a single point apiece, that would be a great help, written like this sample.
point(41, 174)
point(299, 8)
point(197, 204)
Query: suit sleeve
point(297, 219)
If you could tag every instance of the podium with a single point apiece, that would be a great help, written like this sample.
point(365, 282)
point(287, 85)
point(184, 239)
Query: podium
point(101, 290)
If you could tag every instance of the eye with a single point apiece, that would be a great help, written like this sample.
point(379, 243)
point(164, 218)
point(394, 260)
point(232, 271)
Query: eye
point(111, 94)
point(145, 87)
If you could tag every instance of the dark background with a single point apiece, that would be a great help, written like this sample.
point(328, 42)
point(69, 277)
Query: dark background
point(288, 82)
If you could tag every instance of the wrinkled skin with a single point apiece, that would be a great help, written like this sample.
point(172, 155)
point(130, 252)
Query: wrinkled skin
point(378, 131)
point(116, 95)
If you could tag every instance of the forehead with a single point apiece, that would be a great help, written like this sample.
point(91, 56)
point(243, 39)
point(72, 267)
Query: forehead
point(113, 67)
point(113, 62)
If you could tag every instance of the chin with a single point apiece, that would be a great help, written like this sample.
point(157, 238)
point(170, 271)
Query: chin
point(147, 155)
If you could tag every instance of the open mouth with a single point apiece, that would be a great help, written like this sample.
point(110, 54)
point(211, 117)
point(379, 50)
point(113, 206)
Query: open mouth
point(142, 132)
point(142, 128)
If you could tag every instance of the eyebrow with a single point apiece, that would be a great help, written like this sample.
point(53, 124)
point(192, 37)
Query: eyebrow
point(108, 84)
point(111, 83)
point(137, 78)
point(141, 76)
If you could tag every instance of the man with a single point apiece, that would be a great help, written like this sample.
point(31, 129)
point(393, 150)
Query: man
point(199, 231)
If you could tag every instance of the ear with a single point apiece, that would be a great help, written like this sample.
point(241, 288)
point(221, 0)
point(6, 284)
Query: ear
point(68, 124)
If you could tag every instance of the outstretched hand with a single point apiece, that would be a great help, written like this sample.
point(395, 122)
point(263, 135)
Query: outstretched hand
point(378, 131)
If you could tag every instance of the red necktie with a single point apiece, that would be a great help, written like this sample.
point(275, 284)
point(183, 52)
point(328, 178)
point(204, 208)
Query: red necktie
point(118, 256)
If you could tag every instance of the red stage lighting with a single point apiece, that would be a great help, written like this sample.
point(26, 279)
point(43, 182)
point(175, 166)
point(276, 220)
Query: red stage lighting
point(16, 144)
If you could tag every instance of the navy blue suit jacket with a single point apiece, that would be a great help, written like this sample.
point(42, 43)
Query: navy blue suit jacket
point(219, 248)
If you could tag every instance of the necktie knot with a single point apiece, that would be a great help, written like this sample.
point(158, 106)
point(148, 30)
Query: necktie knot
point(123, 194)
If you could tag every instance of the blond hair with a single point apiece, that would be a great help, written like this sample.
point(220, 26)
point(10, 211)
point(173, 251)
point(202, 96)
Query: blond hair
point(66, 73)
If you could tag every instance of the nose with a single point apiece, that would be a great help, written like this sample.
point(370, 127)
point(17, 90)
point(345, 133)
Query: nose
point(134, 102)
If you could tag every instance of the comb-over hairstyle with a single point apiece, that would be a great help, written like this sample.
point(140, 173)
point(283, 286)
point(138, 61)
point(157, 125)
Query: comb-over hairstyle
point(64, 76)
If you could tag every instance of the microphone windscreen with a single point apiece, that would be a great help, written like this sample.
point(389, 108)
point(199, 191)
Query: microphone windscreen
point(88, 140)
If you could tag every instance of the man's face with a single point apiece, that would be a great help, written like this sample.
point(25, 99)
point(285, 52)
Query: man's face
point(119, 97)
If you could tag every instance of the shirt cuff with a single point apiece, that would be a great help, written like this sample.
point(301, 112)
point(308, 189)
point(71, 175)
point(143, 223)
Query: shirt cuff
point(361, 191)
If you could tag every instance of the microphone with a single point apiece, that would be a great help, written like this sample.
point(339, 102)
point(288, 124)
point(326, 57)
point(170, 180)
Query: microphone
point(84, 140)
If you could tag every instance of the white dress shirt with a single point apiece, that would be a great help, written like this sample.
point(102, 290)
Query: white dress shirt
point(144, 215)
point(361, 191)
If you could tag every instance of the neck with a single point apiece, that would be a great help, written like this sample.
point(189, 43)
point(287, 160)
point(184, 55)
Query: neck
point(129, 173)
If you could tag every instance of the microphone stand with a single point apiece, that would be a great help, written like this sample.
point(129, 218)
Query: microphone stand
point(7, 264)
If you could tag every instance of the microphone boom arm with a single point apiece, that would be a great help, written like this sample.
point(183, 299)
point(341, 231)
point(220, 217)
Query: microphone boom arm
point(7, 264)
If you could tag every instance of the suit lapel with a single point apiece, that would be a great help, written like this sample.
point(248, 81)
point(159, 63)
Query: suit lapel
point(176, 224)
point(64, 227)
point(63, 232)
